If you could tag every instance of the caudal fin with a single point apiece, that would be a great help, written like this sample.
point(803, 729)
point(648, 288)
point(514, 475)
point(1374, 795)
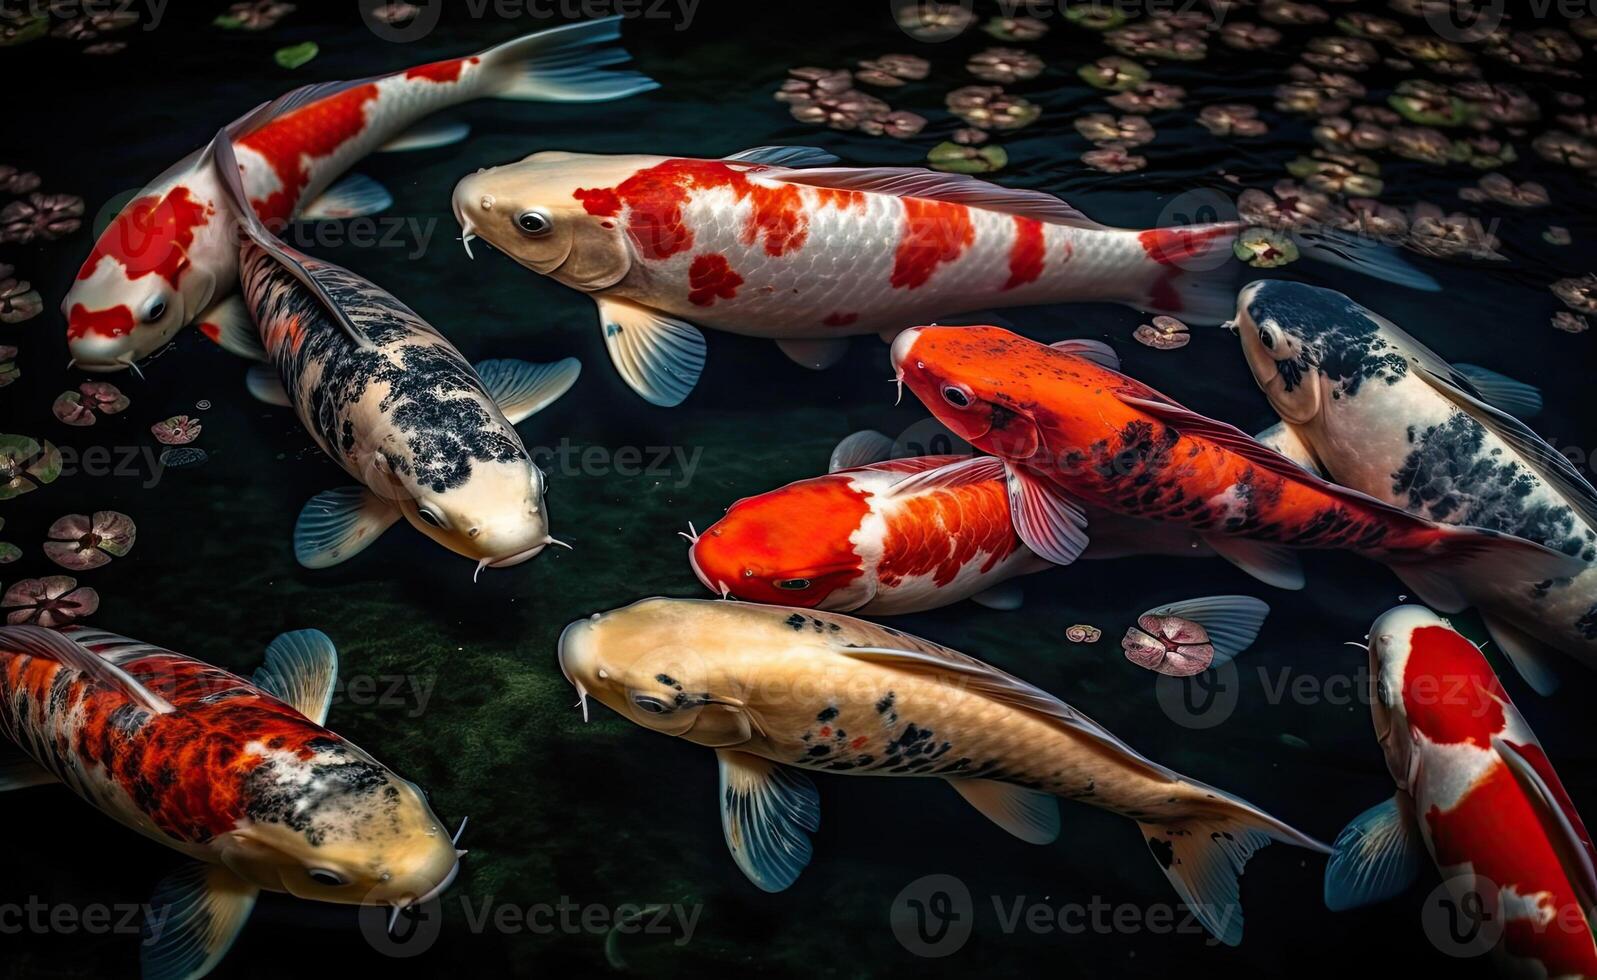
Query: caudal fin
point(1363, 256)
point(566, 64)
point(1203, 856)
point(1463, 563)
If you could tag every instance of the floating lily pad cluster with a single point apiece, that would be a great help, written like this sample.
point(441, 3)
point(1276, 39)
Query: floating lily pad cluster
point(85, 23)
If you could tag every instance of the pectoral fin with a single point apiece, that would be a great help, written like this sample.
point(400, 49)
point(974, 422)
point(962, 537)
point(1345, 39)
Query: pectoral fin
point(861, 448)
point(1049, 522)
point(1095, 351)
point(1530, 656)
point(1004, 597)
point(1026, 813)
point(768, 812)
point(659, 356)
point(817, 355)
point(264, 384)
point(355, 196)
point(521, 389)
point(1232, 621)
point(1501, 391)
point(336, 525)
point(301, 670)
point(1376, 857)
point(1271, 564)
point(1285, 440)
point(19, 772)
point(427, 135)
point(192, 921)
point(230, 325)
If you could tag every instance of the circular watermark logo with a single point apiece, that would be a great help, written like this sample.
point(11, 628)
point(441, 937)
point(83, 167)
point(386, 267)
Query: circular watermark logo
point(933, 20)
point(1461, 916)
point(401, 22)
point(933, 916)
point(1203, 206)
point(415, 929)
point(1464, 21)
point(929, 437)
point(1202, 700)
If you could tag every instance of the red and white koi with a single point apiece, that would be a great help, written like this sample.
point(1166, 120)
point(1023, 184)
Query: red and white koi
point(1478, 795)
point(167, 259)
point(884, 536)
point(238, 775)
point(755, 244)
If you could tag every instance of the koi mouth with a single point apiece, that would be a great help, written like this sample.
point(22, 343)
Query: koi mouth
point(518, 557)
point(718, 587)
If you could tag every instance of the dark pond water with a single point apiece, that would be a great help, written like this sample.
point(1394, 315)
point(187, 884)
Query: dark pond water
point(603, 814)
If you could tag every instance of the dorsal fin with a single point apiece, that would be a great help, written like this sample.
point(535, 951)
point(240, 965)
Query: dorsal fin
point(36, 641)
point(933, 186)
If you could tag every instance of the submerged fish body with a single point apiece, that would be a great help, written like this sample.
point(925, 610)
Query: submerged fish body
point(238, 774)
point(168, 259)
point(751, 245)
point(1373, 409)
point(1476, 796)
point(889, 537)
point(777, 691)
point(1078, 434)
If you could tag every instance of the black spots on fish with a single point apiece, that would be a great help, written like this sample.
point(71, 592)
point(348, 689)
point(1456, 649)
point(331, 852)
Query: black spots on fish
point(1451, 475)
point(820, 750)
point(60, 687)
point(1587, 624)
point(1163, 851)
point(346, 438)
point(668, 681)
point(1331, 334)
point(795, 621)
point(1291, 372)
point(826, 714)
point(339, 795)
point(885, 705)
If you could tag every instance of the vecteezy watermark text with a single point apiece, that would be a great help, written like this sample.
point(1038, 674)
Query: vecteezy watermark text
point(59, 918)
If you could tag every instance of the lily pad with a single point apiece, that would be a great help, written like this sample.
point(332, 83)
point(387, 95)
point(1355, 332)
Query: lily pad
point(951, 157)
point(52, 601)
point(78, 542)
point(295, 55)
point(26, 464)
point(1264, 248)
point(23, 31)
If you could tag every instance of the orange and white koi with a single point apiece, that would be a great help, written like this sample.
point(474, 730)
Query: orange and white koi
point(883, 536)
point(168, 260)
point(1477, 795)
point(1075, 433)
point(238, 775)
point(757, 244)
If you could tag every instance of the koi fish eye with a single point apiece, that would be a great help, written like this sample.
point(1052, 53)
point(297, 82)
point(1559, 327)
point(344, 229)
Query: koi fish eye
point(1267, 338)
point(652, 705)
point(794, 584)
point(956, 396)
point(430, 515)
point(322, 876)
point(534, 222)
point(154, 309)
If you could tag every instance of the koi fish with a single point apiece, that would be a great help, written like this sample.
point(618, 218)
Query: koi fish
point(1476, 795)
point(1076, 433)
point(757, 245)
point(777, 691)
point(1370, 407)
point(884, 536)
point(166, 261)
point(237, 775)
point(430, 437)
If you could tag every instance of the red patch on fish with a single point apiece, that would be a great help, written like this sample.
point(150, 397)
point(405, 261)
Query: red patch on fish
point(841, 199)
point(311, 131)
point(940, 532)
point(934, 232)
point(1494, 829)
point(710, 277)
point(1450, 693)
point(1172, 246)
point(839, 319)
point(115, 321)
point(655, 196)
point(1027, 253)
point(151, 235)
point(442, 71)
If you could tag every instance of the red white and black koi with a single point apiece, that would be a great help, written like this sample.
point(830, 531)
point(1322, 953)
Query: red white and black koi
point(166, 260)
point(237, 774)
point(1478, 795)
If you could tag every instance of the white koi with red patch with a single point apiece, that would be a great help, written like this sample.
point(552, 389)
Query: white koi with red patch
point(1477, 794)
point(166, 261)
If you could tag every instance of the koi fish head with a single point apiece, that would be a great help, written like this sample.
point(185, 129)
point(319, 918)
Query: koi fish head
point(494, 513)
point(662, 664)
point(793, 546)
point(1283, 327)
point(538, 212)
point(337, 826)
point(139, 285)
point(974, 380)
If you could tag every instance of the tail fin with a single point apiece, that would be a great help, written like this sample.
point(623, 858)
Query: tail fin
point(1203, 857)
point(566, 65)
point(1191, 275)
point(1464, 562)
point(1363, 256)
